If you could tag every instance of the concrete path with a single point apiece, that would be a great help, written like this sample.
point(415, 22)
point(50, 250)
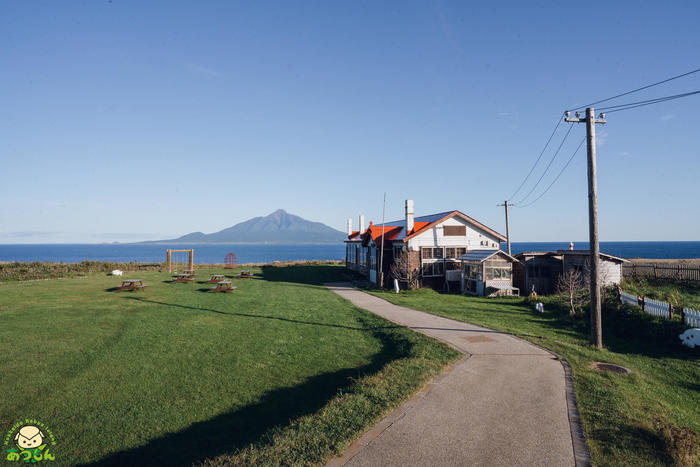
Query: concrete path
point(505, 403)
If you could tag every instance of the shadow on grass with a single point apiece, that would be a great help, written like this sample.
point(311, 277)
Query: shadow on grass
point(623, 332)
point(308, 275)
point(238, 428)
point(278, 318)
point(638, 439)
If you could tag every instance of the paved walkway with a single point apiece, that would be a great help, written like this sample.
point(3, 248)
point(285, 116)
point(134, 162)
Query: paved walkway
point(505, 403)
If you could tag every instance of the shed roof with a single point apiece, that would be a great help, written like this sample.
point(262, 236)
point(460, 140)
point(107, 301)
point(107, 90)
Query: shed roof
point(483, 255)
point(588, 252)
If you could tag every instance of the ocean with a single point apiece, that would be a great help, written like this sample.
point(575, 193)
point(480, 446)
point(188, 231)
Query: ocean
point(265, 253)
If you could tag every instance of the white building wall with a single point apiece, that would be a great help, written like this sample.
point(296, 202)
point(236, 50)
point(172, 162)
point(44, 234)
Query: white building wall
point(472, 240)
point(610, 272)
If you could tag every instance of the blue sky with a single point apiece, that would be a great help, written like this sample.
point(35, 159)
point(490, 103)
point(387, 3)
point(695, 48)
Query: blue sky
point(125, 121)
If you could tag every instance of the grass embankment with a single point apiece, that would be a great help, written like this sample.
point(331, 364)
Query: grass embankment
point(677, 293)
point(281, 371)
point(628, 419)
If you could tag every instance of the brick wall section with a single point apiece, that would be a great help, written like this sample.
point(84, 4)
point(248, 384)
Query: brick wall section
point(414, 259)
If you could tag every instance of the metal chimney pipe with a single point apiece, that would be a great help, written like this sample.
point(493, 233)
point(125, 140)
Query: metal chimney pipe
point(349, 226)
point(362, 223)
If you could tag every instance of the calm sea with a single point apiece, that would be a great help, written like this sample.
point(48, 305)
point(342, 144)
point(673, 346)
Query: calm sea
point(264, 253)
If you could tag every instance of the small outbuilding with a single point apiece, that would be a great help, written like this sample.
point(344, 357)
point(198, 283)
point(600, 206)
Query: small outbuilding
point(487, 272)
point(540, 270)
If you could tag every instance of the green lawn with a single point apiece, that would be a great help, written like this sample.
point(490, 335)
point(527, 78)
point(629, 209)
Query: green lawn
point(281, 371)
point(628, 419)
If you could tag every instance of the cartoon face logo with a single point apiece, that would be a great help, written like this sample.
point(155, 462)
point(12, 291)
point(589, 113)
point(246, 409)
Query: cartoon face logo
point(29, 437)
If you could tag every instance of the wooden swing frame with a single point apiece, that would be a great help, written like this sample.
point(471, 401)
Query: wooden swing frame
point(169, 259)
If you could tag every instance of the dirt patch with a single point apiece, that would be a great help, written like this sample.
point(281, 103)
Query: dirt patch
point(600, 366)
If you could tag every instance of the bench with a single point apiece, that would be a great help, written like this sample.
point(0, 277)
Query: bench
point(215, 278)
point(133, 285)
point(223, 286)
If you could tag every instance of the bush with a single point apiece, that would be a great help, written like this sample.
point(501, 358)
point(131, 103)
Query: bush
point(41, 270)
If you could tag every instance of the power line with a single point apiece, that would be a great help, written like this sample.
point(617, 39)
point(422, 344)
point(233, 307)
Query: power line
point(548, 165)
point(635, 90)
point(559, 120)
point(558, 175)
point(632, 105)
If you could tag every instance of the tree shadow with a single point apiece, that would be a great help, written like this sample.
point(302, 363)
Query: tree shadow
point(277, 318)
point(308, 275)
point(638, 439)
point(253, 423)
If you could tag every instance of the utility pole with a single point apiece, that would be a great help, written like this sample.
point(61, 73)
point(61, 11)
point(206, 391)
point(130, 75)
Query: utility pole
point(505, 203)
point(596, 321)
point(381, 256)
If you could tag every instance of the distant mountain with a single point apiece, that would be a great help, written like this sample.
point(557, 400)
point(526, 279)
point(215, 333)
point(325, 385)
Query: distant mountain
point(278, 227)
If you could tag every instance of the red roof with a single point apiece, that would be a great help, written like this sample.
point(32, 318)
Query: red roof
point(390, 233)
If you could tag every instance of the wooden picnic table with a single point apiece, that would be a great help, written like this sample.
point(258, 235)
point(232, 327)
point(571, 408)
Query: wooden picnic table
point(133, 285)
point(184, 278)
point(215, 278)
point(223, 286)
point(245, 273)
point(190, 272)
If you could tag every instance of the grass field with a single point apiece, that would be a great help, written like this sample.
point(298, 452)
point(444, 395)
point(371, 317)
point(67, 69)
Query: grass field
point(635, 419)
point(282, 371)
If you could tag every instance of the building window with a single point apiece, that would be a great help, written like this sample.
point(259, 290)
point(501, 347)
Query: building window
point(433, 268)
point(431, 253)
point(455, 230)
point(497, 273)
point(454, 252)
point(472, 271)
point(397, 252)
point(363, 256)
point(373, 258)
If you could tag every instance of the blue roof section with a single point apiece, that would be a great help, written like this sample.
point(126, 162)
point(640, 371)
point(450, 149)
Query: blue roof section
point(478, 255)
point(429, 219)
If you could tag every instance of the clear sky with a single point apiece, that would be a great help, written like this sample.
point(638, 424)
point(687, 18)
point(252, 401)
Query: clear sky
point(131, 120)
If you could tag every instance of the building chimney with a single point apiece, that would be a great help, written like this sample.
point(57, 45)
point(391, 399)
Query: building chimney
point(349, 226)
point(571, 246)
point(362, 223)
point(409, 216)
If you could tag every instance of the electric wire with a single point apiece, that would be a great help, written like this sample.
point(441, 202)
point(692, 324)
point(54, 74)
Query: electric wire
point(558, 175)
point(548, 165)
point(636, 90)
point(633, 105)
point(559, 120)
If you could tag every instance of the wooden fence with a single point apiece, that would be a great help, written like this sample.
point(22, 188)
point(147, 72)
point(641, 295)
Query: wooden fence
point(691, 317)
point(678, 272)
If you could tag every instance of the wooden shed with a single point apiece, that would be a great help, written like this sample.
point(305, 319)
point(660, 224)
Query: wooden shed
point(487, 272)
point(540, 270)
